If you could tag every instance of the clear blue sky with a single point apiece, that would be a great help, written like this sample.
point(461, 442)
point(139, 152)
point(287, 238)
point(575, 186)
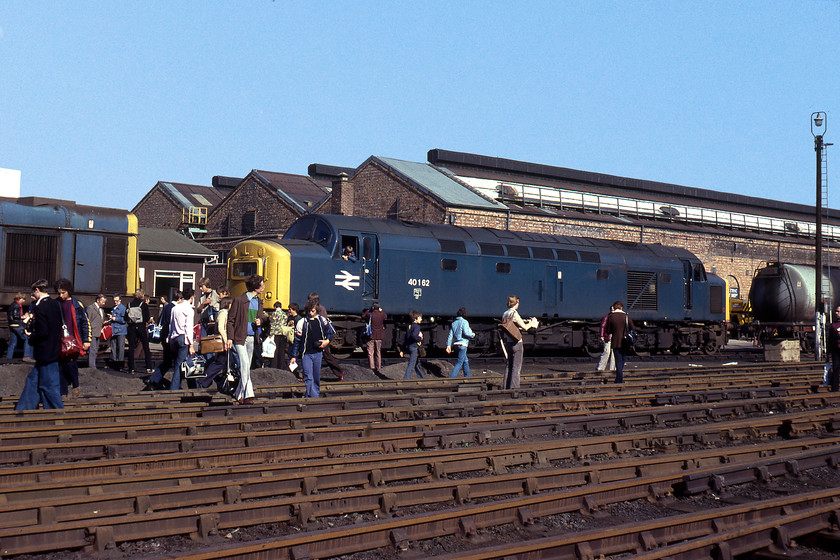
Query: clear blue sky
point(100, 100)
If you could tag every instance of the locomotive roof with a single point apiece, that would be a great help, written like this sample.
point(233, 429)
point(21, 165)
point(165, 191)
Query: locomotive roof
point(441, 232)
point(52, 212)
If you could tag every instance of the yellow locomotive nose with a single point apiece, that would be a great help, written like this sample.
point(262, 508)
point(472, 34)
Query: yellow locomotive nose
point(268, 259)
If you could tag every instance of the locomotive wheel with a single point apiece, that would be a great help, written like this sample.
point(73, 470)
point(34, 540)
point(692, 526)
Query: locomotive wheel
point(710, 348)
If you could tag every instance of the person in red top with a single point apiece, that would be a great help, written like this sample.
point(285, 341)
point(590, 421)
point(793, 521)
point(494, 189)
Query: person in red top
point(834, 348)
point(617, 324)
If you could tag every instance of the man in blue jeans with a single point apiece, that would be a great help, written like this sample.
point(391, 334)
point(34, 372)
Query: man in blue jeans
point(460, 334)
point(42, 383)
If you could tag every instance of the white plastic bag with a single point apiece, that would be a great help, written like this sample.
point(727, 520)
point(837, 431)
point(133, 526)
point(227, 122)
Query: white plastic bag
point(268, 347)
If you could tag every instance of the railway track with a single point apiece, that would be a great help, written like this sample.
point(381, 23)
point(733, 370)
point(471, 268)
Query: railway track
point(382, 469)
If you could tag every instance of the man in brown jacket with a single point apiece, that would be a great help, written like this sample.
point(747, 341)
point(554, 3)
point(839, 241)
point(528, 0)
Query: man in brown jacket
point(244, 320)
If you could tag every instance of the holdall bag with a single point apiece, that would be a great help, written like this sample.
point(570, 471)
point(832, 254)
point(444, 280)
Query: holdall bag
point(107, 332)
point(154, 332)
point(193, 366)
point(211, 344)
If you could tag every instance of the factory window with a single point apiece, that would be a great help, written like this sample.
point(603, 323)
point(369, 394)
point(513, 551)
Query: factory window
point(448, 264)
point(566, 255)
point(503, 267)
point(249, 222)
point(587, 256)
point(492, 249)
point(452, 246)
point(542, 253)
point(518, 251)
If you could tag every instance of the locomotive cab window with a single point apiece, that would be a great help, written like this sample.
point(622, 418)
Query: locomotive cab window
point(448, 264)
point(349, 249)
point(699, 272)
point(315, 230)
point(243, 269)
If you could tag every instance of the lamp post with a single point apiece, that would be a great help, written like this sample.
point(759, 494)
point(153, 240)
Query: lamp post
point(818, 126)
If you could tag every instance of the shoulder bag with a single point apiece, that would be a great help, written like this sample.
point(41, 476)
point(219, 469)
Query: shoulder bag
point(630, 337)
point(509, 328)
point(70, 346)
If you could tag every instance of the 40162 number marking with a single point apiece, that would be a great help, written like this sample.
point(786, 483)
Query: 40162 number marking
point(418, 282)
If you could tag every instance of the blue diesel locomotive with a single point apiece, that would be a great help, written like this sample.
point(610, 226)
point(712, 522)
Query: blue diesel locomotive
point(96, 248)
point(569, 283)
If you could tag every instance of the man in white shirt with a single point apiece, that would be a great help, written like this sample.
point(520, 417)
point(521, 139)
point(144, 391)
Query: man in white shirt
point(181, 335)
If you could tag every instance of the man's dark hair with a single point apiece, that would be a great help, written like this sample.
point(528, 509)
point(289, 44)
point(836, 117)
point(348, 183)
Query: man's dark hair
point(188, 292)
point(177, 294)
point(414, 314)
point(294, 307)
point(253, 282)
point(64, 284)
point(225, 302)
point(204, 281)
point(462, 312)
point(618, 305)
point(310, 305)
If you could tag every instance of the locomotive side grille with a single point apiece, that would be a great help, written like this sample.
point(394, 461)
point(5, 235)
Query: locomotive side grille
point(716, 299)
point(642, 290)
point(114, 265)
point(29, 256)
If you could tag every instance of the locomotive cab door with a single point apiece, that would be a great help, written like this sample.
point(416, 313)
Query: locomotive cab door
point(370, 267)
point(688, 287)
point(88, 266)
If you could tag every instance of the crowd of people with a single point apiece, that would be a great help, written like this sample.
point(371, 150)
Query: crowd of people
point(234, 335)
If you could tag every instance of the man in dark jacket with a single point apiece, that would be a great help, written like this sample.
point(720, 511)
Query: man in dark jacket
point(42, 383)
point(155, 380)
point(138, 330)
point(618, 323)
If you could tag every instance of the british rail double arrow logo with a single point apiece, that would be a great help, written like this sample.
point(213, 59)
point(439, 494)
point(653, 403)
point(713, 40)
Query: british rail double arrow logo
point(347, 281)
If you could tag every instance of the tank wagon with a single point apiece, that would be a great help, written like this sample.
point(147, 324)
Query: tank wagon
point(569, 283)
point(94, 247)
point(782, 300)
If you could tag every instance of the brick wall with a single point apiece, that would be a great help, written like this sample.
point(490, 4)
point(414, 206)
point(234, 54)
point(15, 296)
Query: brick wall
point(270, 212)
point(379, 194)
point(158, 211)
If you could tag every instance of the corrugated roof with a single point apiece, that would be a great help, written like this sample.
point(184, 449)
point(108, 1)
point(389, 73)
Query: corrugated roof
point(439, 184)
point(169, 242)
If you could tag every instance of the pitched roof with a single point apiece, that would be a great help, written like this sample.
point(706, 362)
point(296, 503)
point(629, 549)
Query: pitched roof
point(300, 191)
point(437, 183)
point(170, 243)
point(192, 195)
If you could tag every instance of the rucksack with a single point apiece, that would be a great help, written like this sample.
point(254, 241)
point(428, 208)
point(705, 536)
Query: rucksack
point(135, 315)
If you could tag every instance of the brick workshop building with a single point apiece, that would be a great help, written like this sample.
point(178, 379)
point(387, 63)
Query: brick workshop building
point(732, 234)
